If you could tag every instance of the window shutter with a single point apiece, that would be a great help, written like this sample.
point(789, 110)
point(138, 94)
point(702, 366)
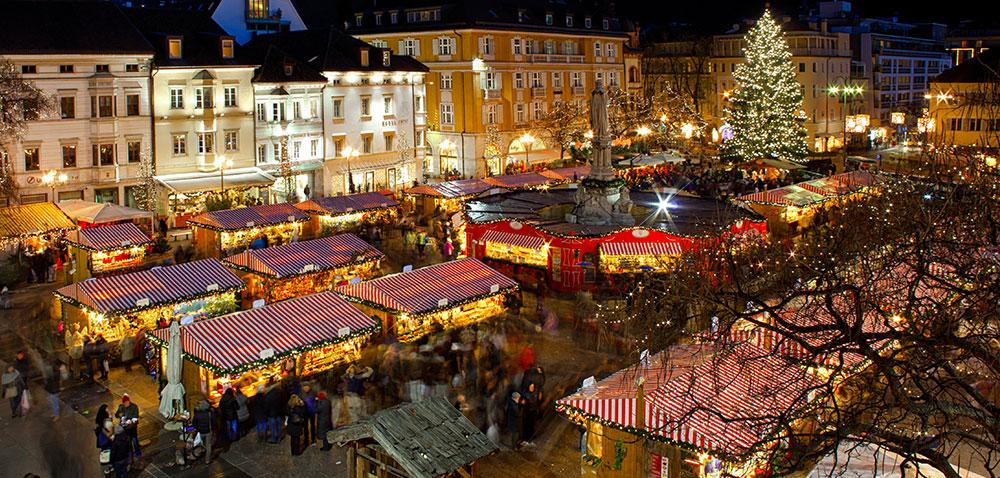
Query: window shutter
point(400, 47)
point(416, 47)
point(436, 46)
point(482, 45)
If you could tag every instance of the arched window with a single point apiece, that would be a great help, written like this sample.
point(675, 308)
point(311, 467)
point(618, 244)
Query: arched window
point(633, 74)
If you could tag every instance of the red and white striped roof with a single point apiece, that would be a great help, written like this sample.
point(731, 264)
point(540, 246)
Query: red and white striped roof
point(459, 189)
point(248, 217)
point(520, 240)
point(518, 181)
point(286, 327)
point(421, 290)
point(160, 286)
point(109, 238)
point(305, 257)
point(641, 249)
point(353, 203)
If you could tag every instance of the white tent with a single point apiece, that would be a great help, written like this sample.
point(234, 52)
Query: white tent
point(172, 395)
point(651, 160)
point(101, 213)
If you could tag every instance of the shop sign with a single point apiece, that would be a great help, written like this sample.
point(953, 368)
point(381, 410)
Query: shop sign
point(442, 302)
point(408, 268)
point(258, 303)
point(344, 332)
point(266, 354)
point(187, 319)
point(658, 466)
point(142, 302)
point(211, 287)
point(494, 288)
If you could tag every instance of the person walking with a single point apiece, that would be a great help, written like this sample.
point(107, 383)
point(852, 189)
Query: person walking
point(242, 412)
point(275, 411)
point(203, 424)
point(128, 417)
point(229, 410)
point(259, 406)
point(324, 419)
point(52, 386)
point(101, 347)
point(13, 388)
point(296, 423)
point(309, 399)
point(104, 432)
point(121, 447)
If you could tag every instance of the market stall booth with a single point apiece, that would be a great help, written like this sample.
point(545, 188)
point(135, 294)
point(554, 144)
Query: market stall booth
point(569, 174)
point(530, 180)
point(30, 229)
point(683, 412)
point(119, 305)
point(91, 214)
point(107, 249)
point(426, 439)
point(188, 194)
point(221, 233)
point(294, 338)
point(448, 197)
point(791, 208)
point(335, 214)
point(439, 297)
point(303, 268)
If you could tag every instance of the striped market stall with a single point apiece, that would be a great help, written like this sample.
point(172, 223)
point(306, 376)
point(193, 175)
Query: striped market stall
point(303, 268)
point(105, 249)
point(622, 257)
point(120, 305)
point(231, 230)
point(791, 208)
point(434, 298)
point(344, 213)
point(32, 227)
point(294, 338)
point(686, 411)
point(520, 181)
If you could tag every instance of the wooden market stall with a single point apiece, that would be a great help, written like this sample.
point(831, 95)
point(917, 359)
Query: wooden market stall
point(791, 208)
point(679, 413)
point(31, 228)
point(448, 197)
point(334, 214)
point(425, 439)
point(439, 297)
point(302, 268)
point(531, 180)
point(221, 233)
point(120, 305)
point(106, 249)
point(632, 256)
point(294, 338)
point(188, 194)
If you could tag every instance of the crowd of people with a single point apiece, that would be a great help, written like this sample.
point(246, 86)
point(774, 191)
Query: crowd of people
point(705, 181)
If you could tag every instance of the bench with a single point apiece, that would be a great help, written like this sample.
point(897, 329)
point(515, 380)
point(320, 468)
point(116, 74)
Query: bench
point(179, 235)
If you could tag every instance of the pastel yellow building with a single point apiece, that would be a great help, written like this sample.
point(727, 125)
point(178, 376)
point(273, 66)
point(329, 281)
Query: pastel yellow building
point(505, 67)
point(963, 104)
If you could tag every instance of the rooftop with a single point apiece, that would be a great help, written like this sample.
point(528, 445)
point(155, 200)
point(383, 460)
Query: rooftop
point(201, 38)
point(86, 28)
point(981, 68)
point(328, 49)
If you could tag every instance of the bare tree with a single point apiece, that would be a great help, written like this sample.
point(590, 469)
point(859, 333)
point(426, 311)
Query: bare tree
point(496, 149)
point(565, 122)
point(20, 102)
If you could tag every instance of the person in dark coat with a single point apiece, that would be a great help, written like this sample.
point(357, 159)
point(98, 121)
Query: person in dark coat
point(101, 348)
point(128, 415)
point(203, 424)
point(259, 408)
point(275, 412)
point(324, 419)
point(229, 410)
point(296, 423)
point(121, 452)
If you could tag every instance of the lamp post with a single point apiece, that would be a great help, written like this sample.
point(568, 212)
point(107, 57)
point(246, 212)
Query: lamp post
point(526, 140)
point(349, 153)
point(845, 92)
point(52, 179)
point(222, 164)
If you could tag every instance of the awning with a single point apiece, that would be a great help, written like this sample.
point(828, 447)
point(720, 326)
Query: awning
point(641, 249)
point(152, 288)
point(649, 160)
point(108, 238)
point(451, 189)
point(520, 240)
point(101, 213)
point(567, 174)
point(518, 181)
point(354, 203)
point(248, 217)
point(270, 333)
point(432, 288)
point(32, 219)
point(241, 178)
point(305, 257)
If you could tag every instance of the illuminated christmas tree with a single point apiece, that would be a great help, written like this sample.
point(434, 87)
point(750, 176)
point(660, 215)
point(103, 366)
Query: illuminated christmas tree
point(765, 112)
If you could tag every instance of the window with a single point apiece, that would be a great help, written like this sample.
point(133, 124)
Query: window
point(518, 80)
point(338, 108)
point(550, 47)
point(387, 108)
point(180, 144)
point(486, 45)
point(519, 113)
point(556, 79)
point(612, 50)
point(515, 46)
point(388, 138)
point(358, 19)
point(576, 79)
point(102, 68)
point(587, 23)
point(297, 110)
point(409, 46)
point(314, 148)
point(378, 18)
point(605, 24)
point(261, 112)
point(133, 151)
point(277, 111)
point(206, 142)
point(102, 106)
point(132, 105)
point(598, 76)
point(227, 48)
point(65, 68)
point(69, 155)
point(366, 106)
point(366, 144)
point(490, 81)
point(393, 17)
point(203, 97)
point(447, 113)
point(802, 67)
point(297, 150)
point(104, 154)
point(492, 114)
point(313, 108)
point(31, 159)
point(633, 74)
point(597, 49)
point(612, 78)
point(174, 48)
point(445, 81)
point(67, 107)
point(229, 96)
point(418, 104)
point(569, 48)
point(261, 153)
point(132, 68)
point(569, 20)
point(232, 140)
point(446, 46)
point(520, 16)
point(814, 67)
point(176, 98)
point(529, 47)
point(278, 151)
point(548, 18)
point(537, 110)
point(28, 69)
point(536, 80)
point(364, 57)
point(338, 146)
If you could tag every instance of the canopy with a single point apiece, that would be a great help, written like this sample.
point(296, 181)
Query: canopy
point(573, 173)
point(451, 189)
point(151, 288)
point(305, 257)
point(641, 249)
point(32, 219)
point(813, 191)
point(248, 217)
point(518, 181)
point(650, 160)
point(254, 338)
point(240, 178)
point(101, 212)
point(431, 288)
point(774, 163)
point(109, 238)
point(520, 240)
point(354, 203)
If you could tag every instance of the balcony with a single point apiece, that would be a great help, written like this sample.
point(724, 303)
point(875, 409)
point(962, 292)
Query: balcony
point(546, 58)
point(538, 91)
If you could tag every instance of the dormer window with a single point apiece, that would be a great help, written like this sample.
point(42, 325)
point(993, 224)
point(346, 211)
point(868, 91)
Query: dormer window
point(364, 57)
point(386, 58)
point(605, 24)
point(587, 22)
point(569, 20)
point(174, 48)
point(289, 69)
point(393, 17)
point(228, 49)
point(520, 15)
point(357, 19)
point(548, 19)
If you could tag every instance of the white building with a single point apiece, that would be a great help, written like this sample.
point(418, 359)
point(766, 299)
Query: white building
point(100, 125)
point(373, 114)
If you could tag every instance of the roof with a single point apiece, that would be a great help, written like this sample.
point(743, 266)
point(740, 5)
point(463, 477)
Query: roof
point(462, 188)
point(350, 204)
point(267, 334)
point(109, 238)
point(200, 36)
point(428, 439)
point(981, 68)
point(306, 257)
point(32, 219)
point(518, 181)
point(152, 288)
point(100, 213)
point(210, 181)
point(47, 28)
point(432, 288)
point(573, 173)
point(249, 217)
point(813, 191)
point(278, 66)
point(329, 49)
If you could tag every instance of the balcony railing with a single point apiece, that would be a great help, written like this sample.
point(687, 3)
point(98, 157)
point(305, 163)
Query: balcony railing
point(538, 91)
point(546, 58)
point(578, 91)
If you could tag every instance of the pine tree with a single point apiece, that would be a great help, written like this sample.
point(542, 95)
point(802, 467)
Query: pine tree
point(765, 110)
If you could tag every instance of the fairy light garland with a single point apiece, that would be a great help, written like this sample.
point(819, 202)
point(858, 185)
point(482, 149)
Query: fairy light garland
point(433, 310)
point(243, 268)
point(152, 305)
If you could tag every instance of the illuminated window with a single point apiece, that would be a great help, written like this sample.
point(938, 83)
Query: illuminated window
point(174, 48)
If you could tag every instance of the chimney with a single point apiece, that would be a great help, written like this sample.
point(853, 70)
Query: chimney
point(824, 26)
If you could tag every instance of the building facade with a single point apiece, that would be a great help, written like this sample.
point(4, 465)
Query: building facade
point(964, 104)
point(245, 19)
point(92, 141)
point(496, 68)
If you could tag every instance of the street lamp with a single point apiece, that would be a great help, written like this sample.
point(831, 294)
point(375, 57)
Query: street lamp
point(845, 92)
point(349, 153)
point(54, 178)
point(222, 164)
point(526, 140)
